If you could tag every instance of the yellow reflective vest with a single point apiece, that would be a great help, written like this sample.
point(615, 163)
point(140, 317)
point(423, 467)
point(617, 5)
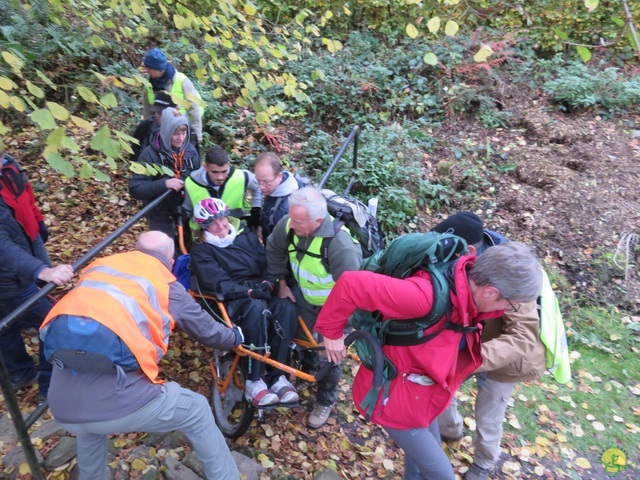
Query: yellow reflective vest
point(313, 278)
point(177, 90)
point(552, 333)
point(233, 194)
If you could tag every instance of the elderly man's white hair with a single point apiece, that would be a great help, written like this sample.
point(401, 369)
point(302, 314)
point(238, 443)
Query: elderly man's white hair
point(156, 241)
point(312, 200)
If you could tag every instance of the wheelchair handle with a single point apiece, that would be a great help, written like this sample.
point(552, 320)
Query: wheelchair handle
point(378, 356)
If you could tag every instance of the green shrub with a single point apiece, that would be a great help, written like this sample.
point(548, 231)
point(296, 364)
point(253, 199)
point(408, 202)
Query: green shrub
point(580, 86)
point(368, 82)
point(389, 167)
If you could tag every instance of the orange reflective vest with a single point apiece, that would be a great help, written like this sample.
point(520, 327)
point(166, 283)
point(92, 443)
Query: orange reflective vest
point(129, 294)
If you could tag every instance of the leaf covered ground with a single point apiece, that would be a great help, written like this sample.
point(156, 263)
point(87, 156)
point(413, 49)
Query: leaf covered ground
point(567, 184)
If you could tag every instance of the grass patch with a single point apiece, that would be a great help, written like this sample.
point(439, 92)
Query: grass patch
point(597, 410)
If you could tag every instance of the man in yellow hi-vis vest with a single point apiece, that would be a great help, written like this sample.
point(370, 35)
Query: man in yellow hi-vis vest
point(217, 178)
point(307, 257)
point(131, 301)
point(163, 76)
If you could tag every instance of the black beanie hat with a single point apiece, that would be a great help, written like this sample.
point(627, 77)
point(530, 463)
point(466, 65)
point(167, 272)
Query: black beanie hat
point(463, 224)
point(163, 100)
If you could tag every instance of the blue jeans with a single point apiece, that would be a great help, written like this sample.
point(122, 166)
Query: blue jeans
point(19, 364)
point(423, 455)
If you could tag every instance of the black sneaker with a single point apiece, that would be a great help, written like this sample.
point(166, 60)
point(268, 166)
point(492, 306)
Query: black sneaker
point(26, 381)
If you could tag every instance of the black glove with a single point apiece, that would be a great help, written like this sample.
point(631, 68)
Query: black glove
point(43, 231)
point(253, 220)
point(266, 286)
point(259, 294)
point(239, 335)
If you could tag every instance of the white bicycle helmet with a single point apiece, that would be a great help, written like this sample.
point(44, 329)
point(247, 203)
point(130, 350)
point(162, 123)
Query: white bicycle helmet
point(208, 210)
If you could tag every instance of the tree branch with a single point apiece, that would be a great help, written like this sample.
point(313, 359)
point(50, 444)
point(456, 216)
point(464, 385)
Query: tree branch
point(630, 24)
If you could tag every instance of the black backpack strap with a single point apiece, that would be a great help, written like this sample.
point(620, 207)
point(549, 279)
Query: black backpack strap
point(275, 209)
point(326, 241)
point(410, 340)
point(324, 248)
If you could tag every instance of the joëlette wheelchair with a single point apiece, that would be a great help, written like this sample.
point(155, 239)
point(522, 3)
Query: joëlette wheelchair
point(231, 410)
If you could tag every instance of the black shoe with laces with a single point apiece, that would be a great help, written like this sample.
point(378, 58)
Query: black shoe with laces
point(447, 439)
point(25, 381)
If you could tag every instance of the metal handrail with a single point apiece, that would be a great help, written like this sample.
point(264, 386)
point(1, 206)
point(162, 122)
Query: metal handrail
point(21, 426)
point(353, 136)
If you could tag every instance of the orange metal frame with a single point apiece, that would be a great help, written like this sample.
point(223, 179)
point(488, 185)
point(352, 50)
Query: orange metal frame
point(241, 351)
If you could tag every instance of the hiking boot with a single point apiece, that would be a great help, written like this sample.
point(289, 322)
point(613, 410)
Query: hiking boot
point(319, 415)
point(284, 390)
point(257, 393)
point(452, 439)
point(476, 472)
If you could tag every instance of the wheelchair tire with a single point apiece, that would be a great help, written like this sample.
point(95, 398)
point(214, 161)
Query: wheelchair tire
point(232, 412)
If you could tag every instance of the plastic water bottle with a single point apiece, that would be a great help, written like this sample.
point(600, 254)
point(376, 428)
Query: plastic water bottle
point(373, 206)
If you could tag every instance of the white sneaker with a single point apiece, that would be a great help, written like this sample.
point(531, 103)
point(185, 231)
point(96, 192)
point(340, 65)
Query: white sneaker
point(257, 393)
point(284, 390)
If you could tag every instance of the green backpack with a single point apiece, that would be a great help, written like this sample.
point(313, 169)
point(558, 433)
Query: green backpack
point(432, 252)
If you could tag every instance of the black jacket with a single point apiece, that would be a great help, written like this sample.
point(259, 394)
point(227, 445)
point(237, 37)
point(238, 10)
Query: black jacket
point(233, 270)
point(18, 266)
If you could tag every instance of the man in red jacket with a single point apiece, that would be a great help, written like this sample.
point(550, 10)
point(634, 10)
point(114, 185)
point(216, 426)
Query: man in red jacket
point(428, 373)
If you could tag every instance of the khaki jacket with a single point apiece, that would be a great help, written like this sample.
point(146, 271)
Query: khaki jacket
point(511, 346)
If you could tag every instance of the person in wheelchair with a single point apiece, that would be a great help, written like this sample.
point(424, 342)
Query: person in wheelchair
point(233, 263)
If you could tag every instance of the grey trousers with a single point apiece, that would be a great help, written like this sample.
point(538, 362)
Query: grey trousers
point(491, 406)
point(175, 409)
point(424, 458)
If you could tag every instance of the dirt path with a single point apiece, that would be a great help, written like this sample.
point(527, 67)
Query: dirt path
point(571, 188)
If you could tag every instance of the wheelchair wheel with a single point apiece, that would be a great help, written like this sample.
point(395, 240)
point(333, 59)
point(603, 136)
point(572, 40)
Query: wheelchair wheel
point(231, 410)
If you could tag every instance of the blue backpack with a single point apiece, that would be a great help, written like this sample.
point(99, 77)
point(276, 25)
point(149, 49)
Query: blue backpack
point(182, 270)
point(84, 345)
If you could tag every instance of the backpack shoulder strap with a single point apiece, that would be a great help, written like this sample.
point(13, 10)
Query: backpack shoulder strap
point(326, 241)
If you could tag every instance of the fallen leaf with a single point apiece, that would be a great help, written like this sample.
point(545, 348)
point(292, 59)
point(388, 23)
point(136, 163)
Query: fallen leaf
point(471, 423)
point(138, 464)
point(543, 441)
point(264, 461)
point(582, 462)
point(598, 426)
point(389, 464)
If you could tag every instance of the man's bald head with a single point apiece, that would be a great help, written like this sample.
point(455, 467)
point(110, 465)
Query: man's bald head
point(158, 242)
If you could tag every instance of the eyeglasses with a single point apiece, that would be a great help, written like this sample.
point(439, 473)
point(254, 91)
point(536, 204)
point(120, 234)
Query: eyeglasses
point(266, 182)
point(514, 308)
